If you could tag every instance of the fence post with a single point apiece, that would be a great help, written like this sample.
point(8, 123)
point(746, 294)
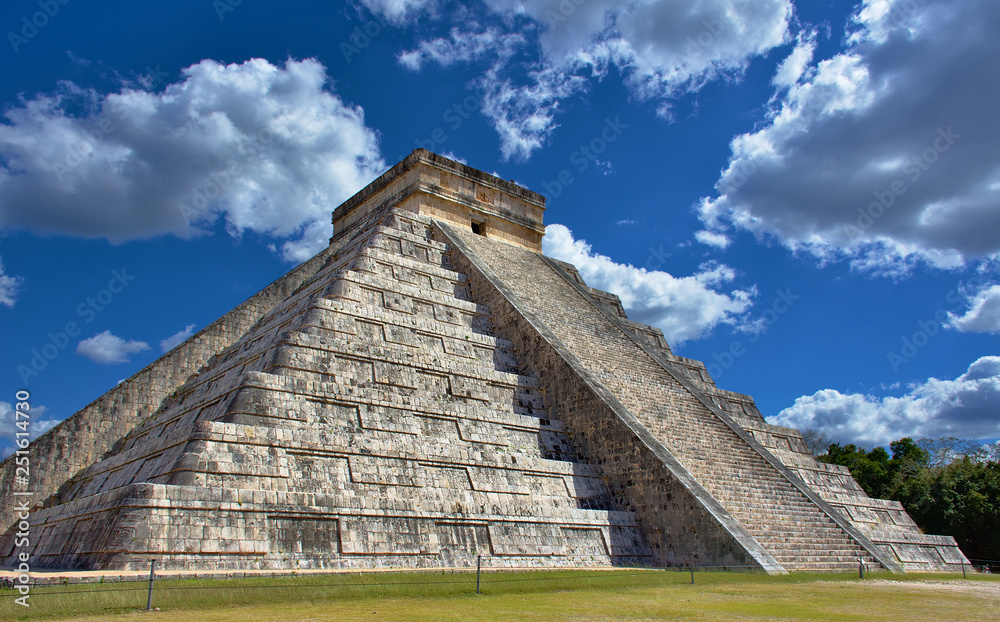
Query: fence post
point(861, 568)
point(479, 561)
point(692, 575)
point(963, 570)
point(149, 597)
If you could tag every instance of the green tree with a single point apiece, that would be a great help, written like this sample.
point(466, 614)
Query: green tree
point(870, 468)
point(960, 499)
point(948, 486)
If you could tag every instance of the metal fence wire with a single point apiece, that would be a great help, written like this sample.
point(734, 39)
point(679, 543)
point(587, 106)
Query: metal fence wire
point(484, 577)
point(155, 587)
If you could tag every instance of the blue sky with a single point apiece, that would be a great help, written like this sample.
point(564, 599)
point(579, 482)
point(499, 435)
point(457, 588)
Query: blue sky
point(803, 195)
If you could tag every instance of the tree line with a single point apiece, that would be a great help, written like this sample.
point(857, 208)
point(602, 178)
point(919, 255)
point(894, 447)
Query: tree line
point(948, 486)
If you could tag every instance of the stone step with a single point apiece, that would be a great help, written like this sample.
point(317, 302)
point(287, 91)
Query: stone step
point(781, 531)
point(757, 494)
point(781, 543)
point(800, 520)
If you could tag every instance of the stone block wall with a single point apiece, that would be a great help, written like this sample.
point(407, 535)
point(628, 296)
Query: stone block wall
point(416, 395)
point(886, 523)
point(90, 433)
point(373, 419)
point(683, 523)
point(783, 515)
point(428, 184)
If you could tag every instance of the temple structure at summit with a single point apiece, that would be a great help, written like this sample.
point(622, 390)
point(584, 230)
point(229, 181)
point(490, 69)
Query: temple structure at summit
point(428, 389)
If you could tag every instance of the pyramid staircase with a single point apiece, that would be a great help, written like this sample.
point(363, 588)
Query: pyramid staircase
point(372, 419)
point(428, 389)
point(764, 498)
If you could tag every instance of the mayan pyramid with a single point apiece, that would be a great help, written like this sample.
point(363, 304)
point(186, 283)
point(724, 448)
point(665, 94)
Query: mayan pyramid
point(430, 388)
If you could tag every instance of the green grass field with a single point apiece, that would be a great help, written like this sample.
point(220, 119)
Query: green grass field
point(560, 595)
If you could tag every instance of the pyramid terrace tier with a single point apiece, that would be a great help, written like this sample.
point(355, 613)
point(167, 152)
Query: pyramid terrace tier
point(428, 389)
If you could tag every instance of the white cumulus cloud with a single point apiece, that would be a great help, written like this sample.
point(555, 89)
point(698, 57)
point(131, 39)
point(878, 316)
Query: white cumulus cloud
point(675, 45)
point(965, 407)
point(796, 65)
point(983, 315)
point(884, 154)
point(10, 286)
point(662, 48)
point(524, 115)
point(265, 148)
point(684, 308)
point(37, 424)
point(106, 348)
point(177, 338)
point(712, 238)
point(398, 10)
point(462, 46)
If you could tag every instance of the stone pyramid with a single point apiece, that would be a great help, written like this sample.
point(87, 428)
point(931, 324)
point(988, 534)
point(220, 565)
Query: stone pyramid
point(430, 388)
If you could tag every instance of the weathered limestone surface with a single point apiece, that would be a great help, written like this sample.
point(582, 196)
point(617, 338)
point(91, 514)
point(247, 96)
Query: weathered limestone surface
point(371, 420)
point(86, 436)
point(884, 522)
point(790, 526)
point(449, 191)
point(431, 388)
point(684, 523)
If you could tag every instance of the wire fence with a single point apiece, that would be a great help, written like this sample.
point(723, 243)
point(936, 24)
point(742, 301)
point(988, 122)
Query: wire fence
point(140, 592)
point(149, 592)
point(596, 573)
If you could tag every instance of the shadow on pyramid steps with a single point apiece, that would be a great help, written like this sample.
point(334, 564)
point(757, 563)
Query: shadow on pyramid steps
point(428, 389)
